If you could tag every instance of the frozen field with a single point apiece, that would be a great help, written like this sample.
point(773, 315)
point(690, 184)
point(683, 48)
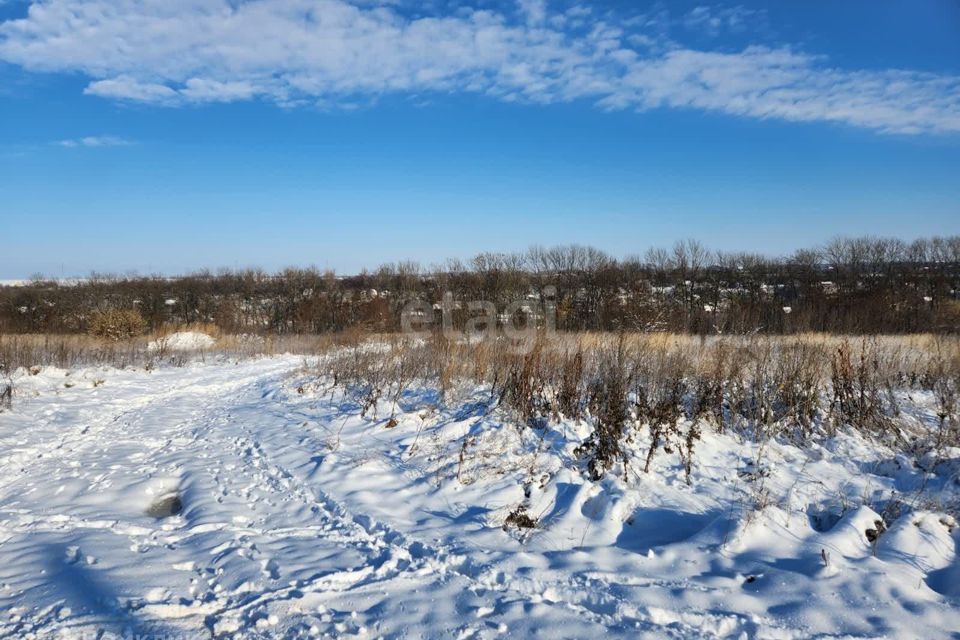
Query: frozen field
point(245, 499)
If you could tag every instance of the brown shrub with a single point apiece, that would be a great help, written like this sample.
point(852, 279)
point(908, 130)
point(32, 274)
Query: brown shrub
point(608, 404)
point(857, 399)
point(116, 324)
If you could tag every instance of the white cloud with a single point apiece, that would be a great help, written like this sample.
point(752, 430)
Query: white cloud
point(95, 141)
point(777, 83)
point(128, 88)
point(333, 52)
point(535, 11)
point(209, 90)
point(714, 20)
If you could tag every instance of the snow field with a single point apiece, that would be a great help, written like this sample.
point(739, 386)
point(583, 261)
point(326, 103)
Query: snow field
point(300, 518)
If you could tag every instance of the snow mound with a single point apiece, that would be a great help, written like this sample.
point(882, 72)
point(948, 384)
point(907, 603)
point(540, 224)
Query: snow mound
point(182, 341)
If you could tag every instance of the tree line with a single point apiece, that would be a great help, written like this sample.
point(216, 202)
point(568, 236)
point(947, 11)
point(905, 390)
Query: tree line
point(848, 285)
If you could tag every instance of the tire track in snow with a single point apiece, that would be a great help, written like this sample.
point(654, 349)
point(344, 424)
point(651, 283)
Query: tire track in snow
point(97, 420)
point(226, 446)
point(93, 445)
point(400, 556)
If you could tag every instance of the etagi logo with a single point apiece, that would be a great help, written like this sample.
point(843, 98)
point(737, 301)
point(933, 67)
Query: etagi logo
point(520, 320)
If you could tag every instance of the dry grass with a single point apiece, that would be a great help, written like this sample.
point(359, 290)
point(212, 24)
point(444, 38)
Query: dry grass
point(71, 351)
point(800, 387)
point(68, 351)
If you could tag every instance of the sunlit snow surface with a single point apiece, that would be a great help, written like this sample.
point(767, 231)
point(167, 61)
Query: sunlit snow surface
point(299, 518)
point(182, 341)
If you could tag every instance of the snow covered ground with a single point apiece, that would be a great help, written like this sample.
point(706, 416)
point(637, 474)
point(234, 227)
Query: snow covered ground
point(247, 499)
point(182, 341)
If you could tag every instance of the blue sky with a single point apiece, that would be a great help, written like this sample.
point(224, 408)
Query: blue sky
point(171, 135)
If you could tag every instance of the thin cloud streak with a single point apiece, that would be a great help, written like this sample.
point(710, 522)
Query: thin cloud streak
point(95, 141)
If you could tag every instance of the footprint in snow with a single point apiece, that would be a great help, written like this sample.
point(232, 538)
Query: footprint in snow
point(272, 569)
point(72, 555)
